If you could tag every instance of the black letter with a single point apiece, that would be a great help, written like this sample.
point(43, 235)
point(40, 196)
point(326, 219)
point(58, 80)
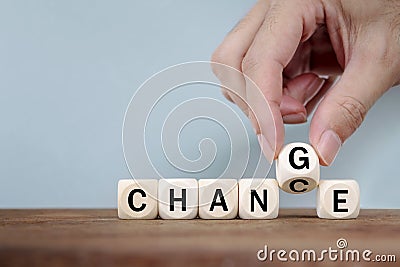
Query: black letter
point(254, 195)
point(292, 183)
point(337, 200)
point(172, 199)
point(218, 193)
point(305, 160)
point(130, 200)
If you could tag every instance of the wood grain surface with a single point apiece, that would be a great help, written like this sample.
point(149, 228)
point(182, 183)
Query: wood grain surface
point(99, 238)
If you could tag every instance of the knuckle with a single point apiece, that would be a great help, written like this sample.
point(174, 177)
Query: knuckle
point(353, 112)
point(218, 56)
point(224, 56)
point(249, 64)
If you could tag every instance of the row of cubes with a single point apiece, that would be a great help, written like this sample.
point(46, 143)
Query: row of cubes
point(248, 198)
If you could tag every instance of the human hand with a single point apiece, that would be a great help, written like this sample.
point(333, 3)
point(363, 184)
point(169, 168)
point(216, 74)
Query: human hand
point(295, 49)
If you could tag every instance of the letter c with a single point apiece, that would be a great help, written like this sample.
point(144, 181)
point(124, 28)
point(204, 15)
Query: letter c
point(130, 199)
point(294, 182)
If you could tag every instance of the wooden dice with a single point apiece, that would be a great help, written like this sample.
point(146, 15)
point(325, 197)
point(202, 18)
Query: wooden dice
point(297, 168)
point(338, 199)
point(178, 198)
point(297, 171)
point(258, 198)
point(137, 199)
point(218, 198)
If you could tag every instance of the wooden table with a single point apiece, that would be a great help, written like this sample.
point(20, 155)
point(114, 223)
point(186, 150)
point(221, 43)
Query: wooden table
point(99, 238)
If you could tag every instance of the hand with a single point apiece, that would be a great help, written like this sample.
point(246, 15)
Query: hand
point(295, 49)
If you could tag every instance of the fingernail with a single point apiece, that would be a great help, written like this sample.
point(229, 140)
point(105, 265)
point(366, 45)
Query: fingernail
point(316, 84)
point(329, 146)
point(266, 148)
point(313, 89)
point(294, 118)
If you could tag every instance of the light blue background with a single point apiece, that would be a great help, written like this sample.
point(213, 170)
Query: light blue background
point(69, 68)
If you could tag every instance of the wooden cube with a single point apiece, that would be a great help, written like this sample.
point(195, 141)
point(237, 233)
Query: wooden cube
point(338, 199)
point(297, 168)
point(258, 198)
point(178, 198)
point(218, 198)
point(137, 199)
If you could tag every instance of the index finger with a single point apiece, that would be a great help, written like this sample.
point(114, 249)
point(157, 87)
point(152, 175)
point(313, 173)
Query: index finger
point(274, 45)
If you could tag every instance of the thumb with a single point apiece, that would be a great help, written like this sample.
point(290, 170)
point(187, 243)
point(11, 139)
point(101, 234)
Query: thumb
point(345, 106)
